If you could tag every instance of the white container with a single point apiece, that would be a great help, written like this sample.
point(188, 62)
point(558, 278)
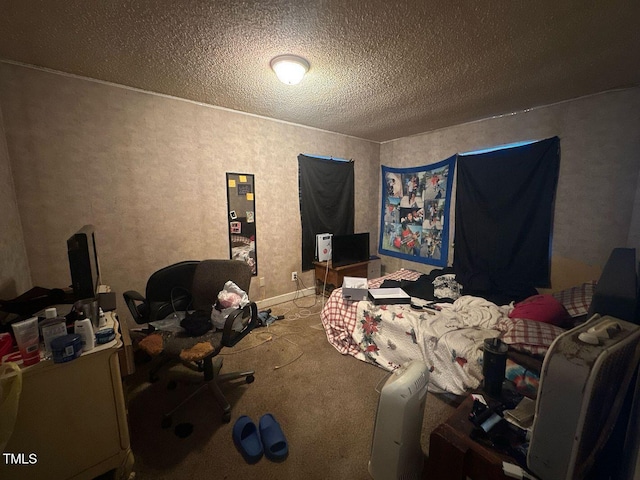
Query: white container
point(53, 326)
point(84, 328)
point(50, 313)
point(28, 340)
point(355, 288)
point(102, 319)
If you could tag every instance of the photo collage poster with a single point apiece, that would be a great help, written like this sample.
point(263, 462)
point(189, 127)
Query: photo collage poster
point(415, 212)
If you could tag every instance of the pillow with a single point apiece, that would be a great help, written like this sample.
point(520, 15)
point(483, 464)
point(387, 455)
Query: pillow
point(577, 300)
point(541, 308)
point(528, 336)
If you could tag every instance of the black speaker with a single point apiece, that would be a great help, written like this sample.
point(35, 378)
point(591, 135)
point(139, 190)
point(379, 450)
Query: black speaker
point(83, 263)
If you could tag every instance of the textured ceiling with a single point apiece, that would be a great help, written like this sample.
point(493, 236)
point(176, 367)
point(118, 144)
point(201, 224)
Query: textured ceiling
point(380, 69)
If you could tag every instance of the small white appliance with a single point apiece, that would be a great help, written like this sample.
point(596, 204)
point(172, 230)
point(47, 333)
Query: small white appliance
point(323, 247)
point(396, 452)
point(583, 383)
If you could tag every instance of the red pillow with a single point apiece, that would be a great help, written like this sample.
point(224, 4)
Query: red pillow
point(542, 308)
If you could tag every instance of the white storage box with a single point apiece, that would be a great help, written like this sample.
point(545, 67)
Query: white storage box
point(355, 288)
point(389, 296)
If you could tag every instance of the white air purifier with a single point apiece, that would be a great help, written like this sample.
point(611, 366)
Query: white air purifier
point(396, 452)
point(323, 247)
point(584, 380)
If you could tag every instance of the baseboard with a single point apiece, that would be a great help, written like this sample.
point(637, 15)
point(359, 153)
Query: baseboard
point(287, 297)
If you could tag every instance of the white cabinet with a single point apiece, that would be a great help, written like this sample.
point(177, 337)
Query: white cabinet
point(72, 421)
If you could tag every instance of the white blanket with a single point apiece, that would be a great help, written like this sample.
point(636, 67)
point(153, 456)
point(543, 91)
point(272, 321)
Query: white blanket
point(448, 341)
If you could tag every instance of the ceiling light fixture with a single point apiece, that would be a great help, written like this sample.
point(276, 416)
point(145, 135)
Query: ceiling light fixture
point(290, 68)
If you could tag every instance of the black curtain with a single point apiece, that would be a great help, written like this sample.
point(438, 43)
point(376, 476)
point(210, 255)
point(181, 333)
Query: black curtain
point(504, 218)
point(326, 201)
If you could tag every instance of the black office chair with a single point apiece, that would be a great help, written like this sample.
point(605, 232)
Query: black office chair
point(208, 280)
point(168, 290)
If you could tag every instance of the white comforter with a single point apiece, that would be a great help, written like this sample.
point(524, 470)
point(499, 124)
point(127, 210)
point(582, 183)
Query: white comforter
point(448, 341)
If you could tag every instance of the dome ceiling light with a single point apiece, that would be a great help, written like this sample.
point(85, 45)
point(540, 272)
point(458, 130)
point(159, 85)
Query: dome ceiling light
point(289, 68)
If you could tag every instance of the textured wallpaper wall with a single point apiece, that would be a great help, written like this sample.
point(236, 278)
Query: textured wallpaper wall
point(597, 196)
point(14, 266)
point(149, 172)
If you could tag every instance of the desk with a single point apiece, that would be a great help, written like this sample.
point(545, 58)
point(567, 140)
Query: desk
point(454, 456)
point(73, 417)
point(335, 275)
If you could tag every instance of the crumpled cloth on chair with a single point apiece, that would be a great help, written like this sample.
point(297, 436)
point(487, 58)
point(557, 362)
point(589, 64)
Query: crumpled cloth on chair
point(197, 323)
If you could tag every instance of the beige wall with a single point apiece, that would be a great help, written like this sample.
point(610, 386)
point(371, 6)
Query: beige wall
point(599, 167)
point(149, 172)
point(14, 267)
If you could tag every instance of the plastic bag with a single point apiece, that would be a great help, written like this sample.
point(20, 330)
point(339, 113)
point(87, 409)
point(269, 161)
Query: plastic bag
point(10, 389)
point(230, 298)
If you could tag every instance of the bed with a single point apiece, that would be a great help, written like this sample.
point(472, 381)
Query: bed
point(450, 340)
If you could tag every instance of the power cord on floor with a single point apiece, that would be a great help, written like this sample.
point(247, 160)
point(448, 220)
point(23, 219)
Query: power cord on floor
point(235, 351)
point(298, 290)
point(293, 360)
point(303, 313)
point(385, 377)
point(324, 284)
point(271, 336)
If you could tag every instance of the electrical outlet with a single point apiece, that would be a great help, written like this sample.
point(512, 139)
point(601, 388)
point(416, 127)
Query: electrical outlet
point(294, 276)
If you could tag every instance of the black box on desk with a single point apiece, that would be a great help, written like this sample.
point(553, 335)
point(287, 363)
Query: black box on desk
point(388, 296)
point(107, 301)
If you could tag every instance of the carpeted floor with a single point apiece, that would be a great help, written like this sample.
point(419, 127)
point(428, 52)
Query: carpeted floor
point(325, 402)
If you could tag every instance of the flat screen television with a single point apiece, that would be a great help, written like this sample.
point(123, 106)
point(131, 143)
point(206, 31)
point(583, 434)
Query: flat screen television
point(83, 263)
point(348, 249)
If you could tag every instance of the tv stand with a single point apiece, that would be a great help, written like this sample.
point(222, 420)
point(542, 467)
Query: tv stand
point(335, 275)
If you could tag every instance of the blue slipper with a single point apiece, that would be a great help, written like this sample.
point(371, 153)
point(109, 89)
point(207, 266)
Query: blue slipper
point(275, 445)
point(247, 440)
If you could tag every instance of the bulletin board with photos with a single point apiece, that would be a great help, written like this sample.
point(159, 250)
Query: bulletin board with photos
point(242, 219)
point(415, 212)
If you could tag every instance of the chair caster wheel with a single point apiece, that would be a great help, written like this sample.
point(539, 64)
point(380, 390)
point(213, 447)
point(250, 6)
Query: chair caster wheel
point(250, 378)
point(166, 422)
point(226, 417)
